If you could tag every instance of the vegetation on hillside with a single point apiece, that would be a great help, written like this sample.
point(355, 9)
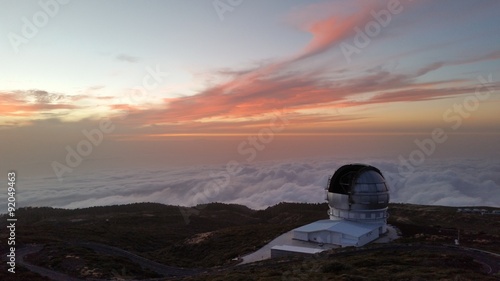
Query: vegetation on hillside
point(217, 233)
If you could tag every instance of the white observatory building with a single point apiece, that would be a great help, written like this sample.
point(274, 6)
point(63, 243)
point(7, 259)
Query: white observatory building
point(358, 197)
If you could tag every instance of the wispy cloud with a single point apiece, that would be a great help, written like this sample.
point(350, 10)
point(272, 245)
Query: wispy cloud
point(299, 91)
point(333, 29)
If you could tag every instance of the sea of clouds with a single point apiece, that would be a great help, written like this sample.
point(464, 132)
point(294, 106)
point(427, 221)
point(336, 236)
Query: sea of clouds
point(454, 182)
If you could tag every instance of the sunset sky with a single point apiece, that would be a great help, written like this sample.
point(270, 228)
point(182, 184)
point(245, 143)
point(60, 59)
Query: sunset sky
point(182, 83)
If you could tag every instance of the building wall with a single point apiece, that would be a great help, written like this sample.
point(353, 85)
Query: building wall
point(299, 235)
point(376, 216)
point(382, 229)
point(367, 238)
point(276, 253)
point(321, 237)
point(337, 238)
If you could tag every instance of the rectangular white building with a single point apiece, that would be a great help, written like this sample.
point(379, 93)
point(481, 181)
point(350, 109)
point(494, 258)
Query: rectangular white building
point(339, 232)
point(285, 250)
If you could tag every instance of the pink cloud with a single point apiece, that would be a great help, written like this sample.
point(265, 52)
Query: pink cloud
point(334, 29)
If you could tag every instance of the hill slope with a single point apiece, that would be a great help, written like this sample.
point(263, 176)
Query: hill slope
point(217, 233)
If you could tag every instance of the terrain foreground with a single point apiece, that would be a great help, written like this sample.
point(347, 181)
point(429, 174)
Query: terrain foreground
point(153, 242)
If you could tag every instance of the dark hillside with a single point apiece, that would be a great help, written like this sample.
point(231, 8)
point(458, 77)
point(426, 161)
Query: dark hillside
point(219, 232)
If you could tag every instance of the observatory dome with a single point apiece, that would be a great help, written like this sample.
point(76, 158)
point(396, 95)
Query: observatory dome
point(358, 192)
point(358, 198)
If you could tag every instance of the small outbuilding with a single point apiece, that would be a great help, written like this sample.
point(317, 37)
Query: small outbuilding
point(287, 250)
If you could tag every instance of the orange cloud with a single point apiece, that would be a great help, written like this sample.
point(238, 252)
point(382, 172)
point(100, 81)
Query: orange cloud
point(266, 88)
point(335, 28)
point(298, 92)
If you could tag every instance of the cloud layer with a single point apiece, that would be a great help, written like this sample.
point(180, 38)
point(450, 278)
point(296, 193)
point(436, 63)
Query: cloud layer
point(461, 182)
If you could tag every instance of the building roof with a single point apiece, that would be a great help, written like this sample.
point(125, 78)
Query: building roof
point(317, 226)
point(347, 176)
point(351, 228)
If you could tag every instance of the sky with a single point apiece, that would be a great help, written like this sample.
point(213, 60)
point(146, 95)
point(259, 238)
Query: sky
point(87, 87)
